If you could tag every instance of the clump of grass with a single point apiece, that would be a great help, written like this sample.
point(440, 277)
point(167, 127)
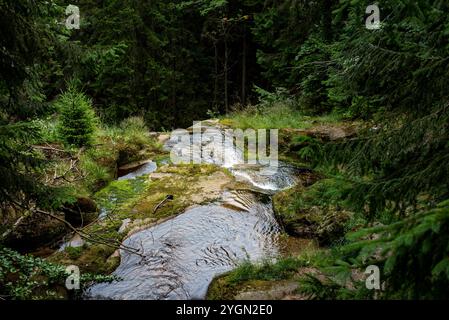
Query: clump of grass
point(276, 116)
point(260, 275)
point(96, 175)
point(130, 141)
point(267, 270)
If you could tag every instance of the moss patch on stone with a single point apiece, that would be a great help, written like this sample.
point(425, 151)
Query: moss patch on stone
point(315, 212)
point(265, 280)
point(145, 201)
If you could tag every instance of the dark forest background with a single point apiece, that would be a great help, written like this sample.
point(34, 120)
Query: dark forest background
point(172, 62)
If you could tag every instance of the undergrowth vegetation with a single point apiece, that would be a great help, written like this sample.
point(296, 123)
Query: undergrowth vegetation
point(92, 167)
point(276, 115)
point(24, 277)
point(367, 110)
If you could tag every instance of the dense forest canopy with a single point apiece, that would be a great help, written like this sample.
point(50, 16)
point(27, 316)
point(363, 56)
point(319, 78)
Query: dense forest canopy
point(186, 57)
point(174, 62)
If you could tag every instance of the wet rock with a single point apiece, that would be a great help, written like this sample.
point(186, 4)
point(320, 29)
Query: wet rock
point(210, 187)
point(159, 175)
point(147, 167)
point(35, 232)
point(130, 167)
point(139, 225)
point(75, 242)
point(277, 291)
point(116, 254)
point(212, 122)
point(86, 205)
point(325, 132)
point(240, 200)
point(163, 138)
point(125, 224)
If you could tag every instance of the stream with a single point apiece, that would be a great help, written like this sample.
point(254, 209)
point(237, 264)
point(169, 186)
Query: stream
point(184, 254)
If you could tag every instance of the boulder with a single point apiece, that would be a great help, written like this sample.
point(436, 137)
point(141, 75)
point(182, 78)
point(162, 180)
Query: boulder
point(82, 212)
point(163, 138)
point(324, 224)
point(35, 231)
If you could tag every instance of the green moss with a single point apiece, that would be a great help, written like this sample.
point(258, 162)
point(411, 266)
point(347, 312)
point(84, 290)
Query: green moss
point(259, 276)
point(281, 269)
point(180, 183)
point(222, 289)
point(136, 199)
point(74, 253)
point(92, 258)
point(318, 211)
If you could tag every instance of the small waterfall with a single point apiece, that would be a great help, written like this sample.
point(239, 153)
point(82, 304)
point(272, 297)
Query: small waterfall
point(184, 254)
point(147, 168)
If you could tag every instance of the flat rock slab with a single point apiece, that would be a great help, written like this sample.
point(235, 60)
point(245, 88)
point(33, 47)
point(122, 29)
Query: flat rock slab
point(277, 291)
point(162, 138)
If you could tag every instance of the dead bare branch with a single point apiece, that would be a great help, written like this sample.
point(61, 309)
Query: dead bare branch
point(94, 239)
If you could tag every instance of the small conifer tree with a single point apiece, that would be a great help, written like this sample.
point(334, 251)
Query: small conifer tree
point(77, 118)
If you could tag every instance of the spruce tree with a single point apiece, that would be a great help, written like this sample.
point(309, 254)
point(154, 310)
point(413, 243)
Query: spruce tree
point(27, 30)
point(77, 118)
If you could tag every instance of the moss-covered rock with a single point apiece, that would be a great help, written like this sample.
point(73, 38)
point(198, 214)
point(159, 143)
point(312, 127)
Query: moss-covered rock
point(82, 212)
point(35, 231)
point(325, 222)
point(261, 281)
point(143, 202)
point(90, 258)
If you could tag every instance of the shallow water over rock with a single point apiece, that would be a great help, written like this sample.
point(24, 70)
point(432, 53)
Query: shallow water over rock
point(184, 254)
point(146, 168)
point(282, 177)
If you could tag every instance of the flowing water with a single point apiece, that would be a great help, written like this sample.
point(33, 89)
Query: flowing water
point(144, 169)
point(184, 254)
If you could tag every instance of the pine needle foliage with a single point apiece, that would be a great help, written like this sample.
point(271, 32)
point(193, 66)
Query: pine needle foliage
point(412, 255)
point(77, 118)
point(399, 73)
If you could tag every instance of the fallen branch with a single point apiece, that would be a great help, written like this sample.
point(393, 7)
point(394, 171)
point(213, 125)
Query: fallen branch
point(13, 227)
point(48, 148)
point(167, 198)
point(89, 237)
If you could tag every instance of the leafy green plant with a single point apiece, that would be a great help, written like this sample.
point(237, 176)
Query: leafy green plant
point(24, 277)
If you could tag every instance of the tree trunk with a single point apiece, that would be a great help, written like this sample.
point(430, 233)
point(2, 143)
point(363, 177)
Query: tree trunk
point(216, 76)
point(226, 75)
point(244, 67)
